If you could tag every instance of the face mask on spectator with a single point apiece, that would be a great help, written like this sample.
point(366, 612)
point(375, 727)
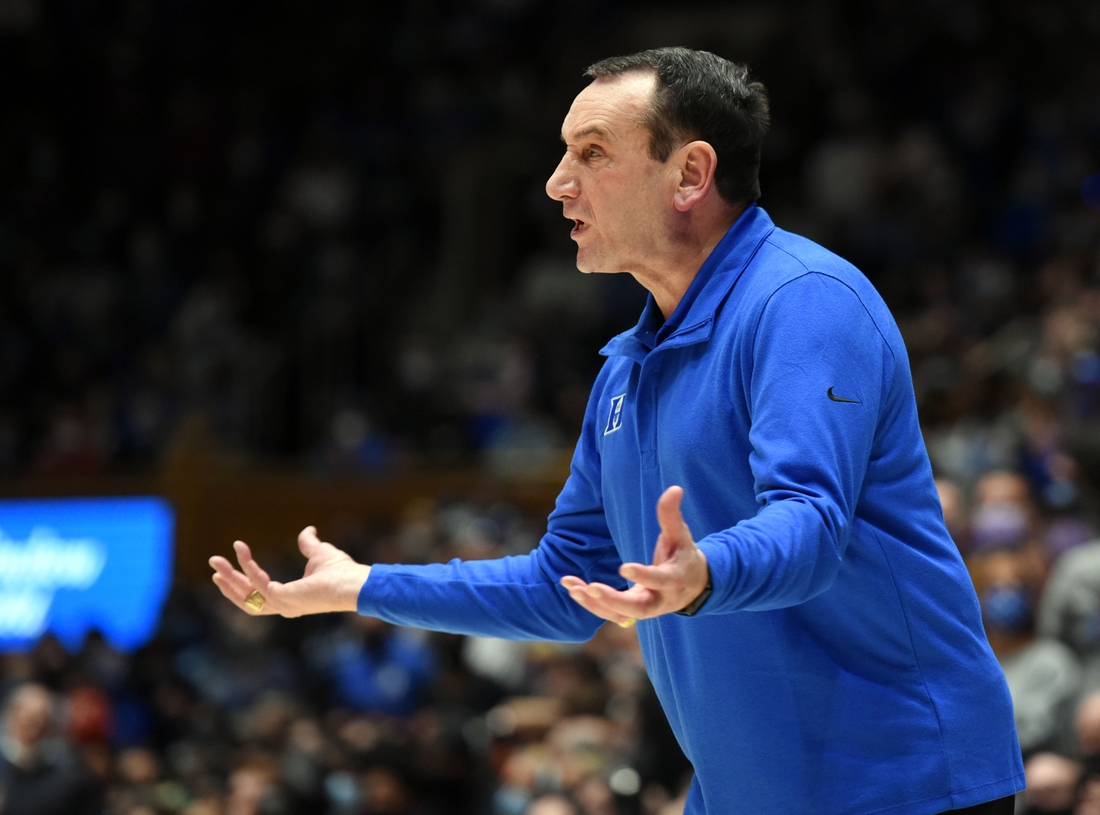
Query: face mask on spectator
point(509, 800)
point(1007, 608)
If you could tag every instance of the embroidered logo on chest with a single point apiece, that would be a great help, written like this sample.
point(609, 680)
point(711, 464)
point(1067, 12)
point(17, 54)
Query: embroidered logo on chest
point(615, 417)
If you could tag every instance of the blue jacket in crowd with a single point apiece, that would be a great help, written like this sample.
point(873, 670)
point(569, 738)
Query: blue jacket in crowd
point(840, 665)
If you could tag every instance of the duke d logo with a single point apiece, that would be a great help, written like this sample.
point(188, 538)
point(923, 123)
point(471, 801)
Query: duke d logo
point(615, 417)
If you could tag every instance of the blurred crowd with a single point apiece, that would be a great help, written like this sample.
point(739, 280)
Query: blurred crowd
point(323, 229)
point(1037, 575)
point(308, 227)
point(227, 714)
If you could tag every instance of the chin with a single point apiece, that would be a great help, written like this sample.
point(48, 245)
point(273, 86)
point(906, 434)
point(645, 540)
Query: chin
point(589, 263)
point(584, 264)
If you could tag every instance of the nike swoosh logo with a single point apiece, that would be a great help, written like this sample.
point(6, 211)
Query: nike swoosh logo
point(836, 398)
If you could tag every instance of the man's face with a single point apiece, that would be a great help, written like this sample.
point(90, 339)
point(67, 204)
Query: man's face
point(28, 716)
point(619, 197)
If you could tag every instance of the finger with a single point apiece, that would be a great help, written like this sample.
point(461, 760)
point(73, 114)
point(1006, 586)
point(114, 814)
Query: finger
point(224, 569)
point(572, 583)
point(237, 587)
point(233, 595)
point(256, 576)
point(578, 592)
point(635, 603)
point(663, 576)
point(605, 601)
point(576, 588)
point(597, 609)
point(238, 594)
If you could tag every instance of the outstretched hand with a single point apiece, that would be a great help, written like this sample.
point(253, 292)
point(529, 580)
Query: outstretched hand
point(678, 575)
point(331, 581)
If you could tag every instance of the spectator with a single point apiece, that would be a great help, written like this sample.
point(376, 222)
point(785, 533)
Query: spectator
point(1070, 608)
point(1043, 675)
point(375, 667)
point(552, 805)
point(1052, 783)
point(40, 771)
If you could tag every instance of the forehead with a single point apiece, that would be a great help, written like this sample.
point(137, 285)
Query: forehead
point(611, 107)
point(31, 701)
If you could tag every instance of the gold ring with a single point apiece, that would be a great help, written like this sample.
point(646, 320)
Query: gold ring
point(255, 601)
point(628, 622)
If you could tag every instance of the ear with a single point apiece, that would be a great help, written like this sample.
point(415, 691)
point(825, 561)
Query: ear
point(697, 162)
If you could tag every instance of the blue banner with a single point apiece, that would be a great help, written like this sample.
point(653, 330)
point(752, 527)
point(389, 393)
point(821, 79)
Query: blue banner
point(71, 565)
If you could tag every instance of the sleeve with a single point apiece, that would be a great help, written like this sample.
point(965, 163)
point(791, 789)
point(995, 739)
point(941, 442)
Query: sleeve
point(517, 598)
point(817, 383)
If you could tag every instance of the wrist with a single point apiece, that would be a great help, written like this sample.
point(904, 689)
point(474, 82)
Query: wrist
point(351, 584)
point(700, 599)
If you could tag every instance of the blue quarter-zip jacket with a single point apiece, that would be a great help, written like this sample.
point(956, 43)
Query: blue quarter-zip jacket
point(840, 665)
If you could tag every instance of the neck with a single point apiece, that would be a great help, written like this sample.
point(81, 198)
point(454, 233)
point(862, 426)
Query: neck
point(690, 249)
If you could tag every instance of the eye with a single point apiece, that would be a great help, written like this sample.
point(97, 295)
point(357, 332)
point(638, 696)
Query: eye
point(592, 152)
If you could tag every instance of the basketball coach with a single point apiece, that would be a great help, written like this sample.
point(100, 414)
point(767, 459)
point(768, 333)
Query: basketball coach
point(805, 618)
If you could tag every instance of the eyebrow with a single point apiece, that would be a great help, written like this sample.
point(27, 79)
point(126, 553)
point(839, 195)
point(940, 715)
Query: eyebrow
point(594, 130)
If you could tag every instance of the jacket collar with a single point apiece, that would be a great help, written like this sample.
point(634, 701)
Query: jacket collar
point(693, 318)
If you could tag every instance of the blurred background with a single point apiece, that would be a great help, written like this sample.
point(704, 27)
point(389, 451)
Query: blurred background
point(292, 263)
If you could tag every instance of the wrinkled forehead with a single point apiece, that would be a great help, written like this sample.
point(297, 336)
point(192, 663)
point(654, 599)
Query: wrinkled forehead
point(610, 107)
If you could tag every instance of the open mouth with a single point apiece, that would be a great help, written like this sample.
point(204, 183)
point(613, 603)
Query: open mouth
point(578, 226)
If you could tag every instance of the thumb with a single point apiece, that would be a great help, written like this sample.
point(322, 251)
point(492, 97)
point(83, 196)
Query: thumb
point(668, 512)
point(308, 542)
point(674, 531)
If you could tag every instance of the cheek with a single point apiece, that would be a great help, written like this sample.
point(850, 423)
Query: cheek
point(626, 203)
point(643, 194)
point(639, 214)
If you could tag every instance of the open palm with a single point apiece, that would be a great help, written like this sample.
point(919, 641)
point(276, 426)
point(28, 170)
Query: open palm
point(677, 575)
point(331, 581)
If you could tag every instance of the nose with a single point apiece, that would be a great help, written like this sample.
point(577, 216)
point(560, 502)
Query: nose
point(562, 184)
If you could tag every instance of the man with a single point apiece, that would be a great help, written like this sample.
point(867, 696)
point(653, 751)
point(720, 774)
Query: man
point(826, 654)
point(40, 773)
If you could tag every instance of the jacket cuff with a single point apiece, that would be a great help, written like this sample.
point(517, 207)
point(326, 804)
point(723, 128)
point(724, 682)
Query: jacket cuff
point(369, 601)
point(722, 573)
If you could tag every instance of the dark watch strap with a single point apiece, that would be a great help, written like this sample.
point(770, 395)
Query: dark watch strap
point(697, 603)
